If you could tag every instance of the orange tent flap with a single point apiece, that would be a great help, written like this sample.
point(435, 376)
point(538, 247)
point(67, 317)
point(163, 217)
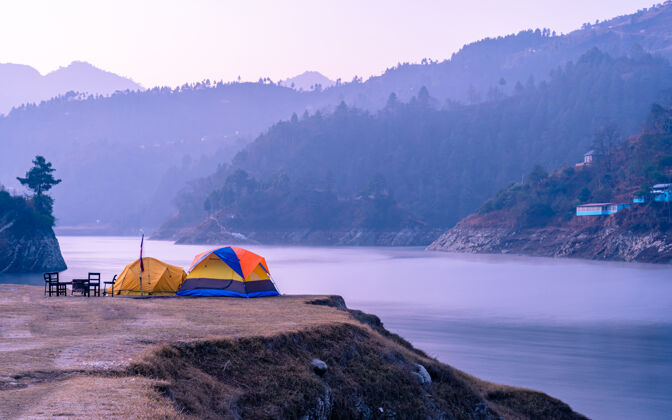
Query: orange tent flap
point(249, 261)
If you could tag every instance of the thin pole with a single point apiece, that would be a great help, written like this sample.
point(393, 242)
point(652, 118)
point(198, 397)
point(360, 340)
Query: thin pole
point(142, 265)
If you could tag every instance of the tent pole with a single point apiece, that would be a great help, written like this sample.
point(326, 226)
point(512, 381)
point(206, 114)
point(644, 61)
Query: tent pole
point(273, 281)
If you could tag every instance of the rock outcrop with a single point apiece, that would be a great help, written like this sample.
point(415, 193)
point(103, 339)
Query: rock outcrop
point(605, 241)
point(36, 250)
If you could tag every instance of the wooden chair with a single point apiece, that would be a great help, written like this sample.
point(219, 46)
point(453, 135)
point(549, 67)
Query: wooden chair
point(53, 286)
point(108, 284)
point(94, 283)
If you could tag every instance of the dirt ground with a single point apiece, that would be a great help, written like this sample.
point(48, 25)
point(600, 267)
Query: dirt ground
point(58, 355)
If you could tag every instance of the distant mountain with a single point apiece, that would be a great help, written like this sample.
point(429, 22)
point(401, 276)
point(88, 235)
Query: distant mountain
point(139, 147)
point(308, 80)
point(20, 84)
point(485, 69)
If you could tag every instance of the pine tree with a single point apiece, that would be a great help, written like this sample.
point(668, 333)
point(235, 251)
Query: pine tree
point(40, 179)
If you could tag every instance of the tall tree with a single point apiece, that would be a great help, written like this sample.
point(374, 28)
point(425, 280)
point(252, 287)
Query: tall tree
point(40, 179)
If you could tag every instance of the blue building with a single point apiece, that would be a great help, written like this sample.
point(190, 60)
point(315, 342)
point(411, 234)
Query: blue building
point(599, 209)
point(661, 193)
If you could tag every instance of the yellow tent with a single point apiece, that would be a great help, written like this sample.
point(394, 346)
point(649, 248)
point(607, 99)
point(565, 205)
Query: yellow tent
point(158, 278)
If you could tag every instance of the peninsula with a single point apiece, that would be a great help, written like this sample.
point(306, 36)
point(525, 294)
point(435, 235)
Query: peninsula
point(179, 358)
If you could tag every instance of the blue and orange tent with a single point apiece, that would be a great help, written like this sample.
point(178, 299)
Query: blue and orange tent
point(228, 271)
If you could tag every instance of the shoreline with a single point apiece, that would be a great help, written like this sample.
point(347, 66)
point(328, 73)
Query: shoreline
point(588, 244)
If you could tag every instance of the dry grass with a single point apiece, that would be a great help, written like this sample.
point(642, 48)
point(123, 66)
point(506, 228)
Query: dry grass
point(48, 340)
point(234, 358)
point(92, 397)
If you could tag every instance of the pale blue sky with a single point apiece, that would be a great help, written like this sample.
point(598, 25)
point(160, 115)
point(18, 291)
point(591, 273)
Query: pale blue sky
point(167, 42)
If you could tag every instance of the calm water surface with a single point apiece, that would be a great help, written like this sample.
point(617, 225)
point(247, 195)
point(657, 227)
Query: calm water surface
point(595, 335)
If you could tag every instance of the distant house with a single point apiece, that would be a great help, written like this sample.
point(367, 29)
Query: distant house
point(599, 209)
point(587, 159)
point(661, 193)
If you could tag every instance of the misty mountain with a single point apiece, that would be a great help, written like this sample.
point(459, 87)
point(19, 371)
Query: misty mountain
point(20, 84)
point(441, 164)
point(308, 80)
point(123, 157)
point(485, 69)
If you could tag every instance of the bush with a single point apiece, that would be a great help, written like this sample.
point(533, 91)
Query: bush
point(537, 215)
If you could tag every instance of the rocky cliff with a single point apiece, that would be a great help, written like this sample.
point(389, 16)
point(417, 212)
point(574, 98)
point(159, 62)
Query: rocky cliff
point(29, 250)
point(603, 238)
point(37, 252)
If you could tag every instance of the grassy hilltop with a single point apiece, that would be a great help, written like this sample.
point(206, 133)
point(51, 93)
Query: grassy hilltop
point(235, 358)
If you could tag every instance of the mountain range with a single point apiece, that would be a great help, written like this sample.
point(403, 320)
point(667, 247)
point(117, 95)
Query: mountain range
point(124, 157)
point(22, 84)
point(439, 163)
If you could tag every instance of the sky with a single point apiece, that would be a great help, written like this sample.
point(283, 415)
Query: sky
point(169, 42)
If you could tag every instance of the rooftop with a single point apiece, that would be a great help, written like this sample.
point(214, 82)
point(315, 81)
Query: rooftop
point(594, 204)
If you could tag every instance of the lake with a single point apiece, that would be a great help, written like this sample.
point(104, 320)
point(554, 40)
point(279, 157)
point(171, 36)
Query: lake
point(596, 335)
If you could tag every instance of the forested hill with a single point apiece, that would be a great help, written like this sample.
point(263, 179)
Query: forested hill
point(538, 216)
point(140, 148)
point(442, 164)
point(488, 68)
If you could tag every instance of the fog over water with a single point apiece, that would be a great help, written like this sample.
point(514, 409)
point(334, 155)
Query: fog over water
point(596, 335)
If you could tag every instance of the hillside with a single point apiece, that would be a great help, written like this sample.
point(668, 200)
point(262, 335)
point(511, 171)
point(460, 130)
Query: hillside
point(171, 136)
point(492, 66)
point(176, 359)
point(441, 164)
point(138, 148)
point(277, 211)
point(538, 217)
point(27, 241)
point(21, 84)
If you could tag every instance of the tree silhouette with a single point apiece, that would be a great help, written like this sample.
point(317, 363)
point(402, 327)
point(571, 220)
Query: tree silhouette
point(40, 180)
